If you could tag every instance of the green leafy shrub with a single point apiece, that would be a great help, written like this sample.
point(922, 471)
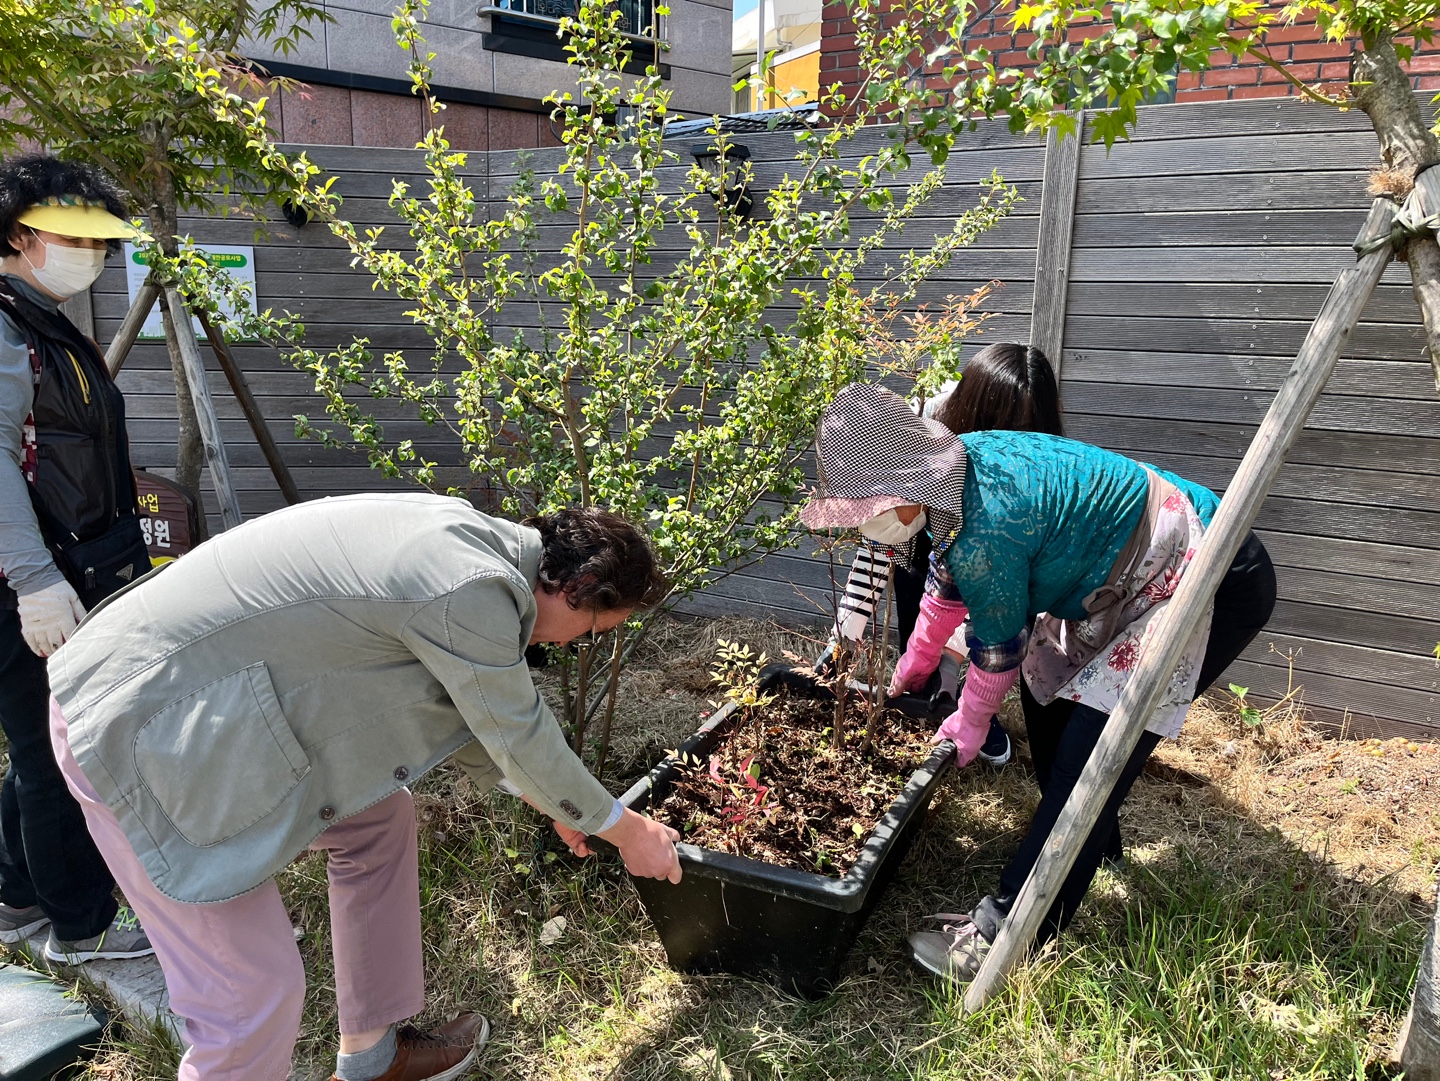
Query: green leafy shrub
point(683, 395)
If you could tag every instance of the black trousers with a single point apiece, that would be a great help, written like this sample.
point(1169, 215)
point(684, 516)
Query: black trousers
point(1063, 734)
point(46, 855)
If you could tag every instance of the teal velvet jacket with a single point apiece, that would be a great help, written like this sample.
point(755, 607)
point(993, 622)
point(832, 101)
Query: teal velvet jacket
point(1045, 520)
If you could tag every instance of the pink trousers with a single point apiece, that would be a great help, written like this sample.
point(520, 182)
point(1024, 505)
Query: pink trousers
point(232, 967)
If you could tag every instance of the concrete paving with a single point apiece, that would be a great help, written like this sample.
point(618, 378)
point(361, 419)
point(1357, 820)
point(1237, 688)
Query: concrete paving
point(136, 986)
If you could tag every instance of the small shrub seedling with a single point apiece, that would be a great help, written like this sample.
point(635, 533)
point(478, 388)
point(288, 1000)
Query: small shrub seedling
point(747, 798)
point(1252, 717)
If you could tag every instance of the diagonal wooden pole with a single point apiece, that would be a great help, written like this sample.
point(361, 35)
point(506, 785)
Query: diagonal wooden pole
point(251, 408)
point(1238, 509)
point(177, 317)
point(124, 339)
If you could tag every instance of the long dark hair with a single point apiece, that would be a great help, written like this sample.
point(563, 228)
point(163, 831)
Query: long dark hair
point(1006, 386)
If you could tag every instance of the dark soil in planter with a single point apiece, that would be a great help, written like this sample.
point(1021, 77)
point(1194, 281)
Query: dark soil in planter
point(821, 805)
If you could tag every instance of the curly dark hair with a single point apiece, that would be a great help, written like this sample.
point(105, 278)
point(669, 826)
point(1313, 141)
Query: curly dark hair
point(1006, 386)
point(34, 178)
point(598, 559)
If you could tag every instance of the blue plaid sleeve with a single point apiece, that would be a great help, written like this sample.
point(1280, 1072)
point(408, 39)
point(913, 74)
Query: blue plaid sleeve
point(1001, 658)
point(939, 583)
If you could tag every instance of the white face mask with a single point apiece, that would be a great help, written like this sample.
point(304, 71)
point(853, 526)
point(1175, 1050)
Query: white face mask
point(887, 528)
point(68, 271)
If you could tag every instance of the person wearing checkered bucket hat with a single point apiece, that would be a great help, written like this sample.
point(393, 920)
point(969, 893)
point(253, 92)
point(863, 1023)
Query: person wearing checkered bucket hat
point(1007, 385)
point(1060, 556)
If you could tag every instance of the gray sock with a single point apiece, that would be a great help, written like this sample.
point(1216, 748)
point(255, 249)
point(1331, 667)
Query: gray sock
point(368, 1064)
point(949, 675)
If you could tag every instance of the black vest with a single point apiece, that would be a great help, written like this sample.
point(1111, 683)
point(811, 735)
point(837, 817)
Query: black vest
point(83, 487)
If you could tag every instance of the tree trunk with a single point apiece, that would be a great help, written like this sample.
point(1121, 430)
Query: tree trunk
point(1407, 145)
point(1419, 1049)
point(189, 449)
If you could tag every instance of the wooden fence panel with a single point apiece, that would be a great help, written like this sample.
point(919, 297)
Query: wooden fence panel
point(1185, 312)
point(1186, 274)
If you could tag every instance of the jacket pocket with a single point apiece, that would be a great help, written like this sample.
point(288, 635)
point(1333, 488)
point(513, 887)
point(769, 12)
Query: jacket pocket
point(222, 758)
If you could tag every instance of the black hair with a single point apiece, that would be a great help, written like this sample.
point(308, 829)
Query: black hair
point(1006, 386)
point(34, 178)
point(598, 559)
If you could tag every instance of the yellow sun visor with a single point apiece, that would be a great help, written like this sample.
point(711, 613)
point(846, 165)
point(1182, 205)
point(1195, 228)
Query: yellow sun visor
point(79, 220)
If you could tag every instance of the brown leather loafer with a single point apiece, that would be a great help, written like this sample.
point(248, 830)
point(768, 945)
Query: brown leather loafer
point(441, 1055)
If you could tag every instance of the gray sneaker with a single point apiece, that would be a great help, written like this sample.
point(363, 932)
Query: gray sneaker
point(956, 951)
point(123, 939)
point(18, 924)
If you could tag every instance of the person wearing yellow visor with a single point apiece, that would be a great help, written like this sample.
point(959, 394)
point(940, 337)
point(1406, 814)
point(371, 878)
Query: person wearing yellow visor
point(69, 536)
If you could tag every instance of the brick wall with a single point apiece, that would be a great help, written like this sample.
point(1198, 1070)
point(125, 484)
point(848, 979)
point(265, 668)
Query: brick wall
point(336, 116)
point(1301, 48)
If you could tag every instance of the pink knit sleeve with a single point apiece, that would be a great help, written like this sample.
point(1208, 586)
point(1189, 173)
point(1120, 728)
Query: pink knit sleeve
point(979, 701)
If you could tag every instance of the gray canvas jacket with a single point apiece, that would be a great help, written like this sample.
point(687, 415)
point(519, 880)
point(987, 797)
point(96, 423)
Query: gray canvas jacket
point(231, 706)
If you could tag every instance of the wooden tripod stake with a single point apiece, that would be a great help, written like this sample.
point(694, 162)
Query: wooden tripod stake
point(182, 334)
point(124, 341)
point(1238, 509)
point(251, 408)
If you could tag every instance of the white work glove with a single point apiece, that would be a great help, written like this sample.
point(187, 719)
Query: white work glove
point(48, 616)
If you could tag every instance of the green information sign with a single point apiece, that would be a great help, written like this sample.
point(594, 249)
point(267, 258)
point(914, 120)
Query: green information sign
point(239, 261)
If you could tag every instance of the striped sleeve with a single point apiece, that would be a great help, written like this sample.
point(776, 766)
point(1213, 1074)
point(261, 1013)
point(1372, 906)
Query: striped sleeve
point(856, 607)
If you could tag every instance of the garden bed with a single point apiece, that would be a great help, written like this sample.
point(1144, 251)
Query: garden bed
point(747, 916)
point(777, 790)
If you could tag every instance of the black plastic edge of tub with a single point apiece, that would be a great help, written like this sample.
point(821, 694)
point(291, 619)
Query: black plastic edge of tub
point(844, 894)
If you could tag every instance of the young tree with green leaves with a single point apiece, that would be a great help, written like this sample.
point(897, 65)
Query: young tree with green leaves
point(100, 82)
point(684, 395)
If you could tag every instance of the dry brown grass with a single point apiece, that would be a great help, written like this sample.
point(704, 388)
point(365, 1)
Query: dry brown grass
point(1368, 809)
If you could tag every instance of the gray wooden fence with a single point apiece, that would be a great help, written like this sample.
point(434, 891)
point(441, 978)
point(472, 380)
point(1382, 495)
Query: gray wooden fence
point(1176, 277)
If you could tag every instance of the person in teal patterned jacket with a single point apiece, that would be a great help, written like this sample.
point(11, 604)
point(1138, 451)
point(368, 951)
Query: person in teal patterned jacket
point(1061, 556)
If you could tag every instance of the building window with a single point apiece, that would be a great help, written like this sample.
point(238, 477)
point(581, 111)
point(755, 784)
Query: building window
point(636, 16)
point(529, 28)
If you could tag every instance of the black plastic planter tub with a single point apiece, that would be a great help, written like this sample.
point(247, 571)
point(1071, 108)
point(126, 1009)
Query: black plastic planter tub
point(738, 915)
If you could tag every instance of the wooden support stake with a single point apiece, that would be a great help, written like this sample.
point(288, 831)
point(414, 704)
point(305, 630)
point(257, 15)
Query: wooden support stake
point(1418, 1049)
point(1262, 463)
point(251, 408)
point(130, 326)
point(1052, 251)
point(215, 456)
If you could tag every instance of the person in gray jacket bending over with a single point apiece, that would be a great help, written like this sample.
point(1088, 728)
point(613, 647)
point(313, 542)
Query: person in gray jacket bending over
point(277, 689)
